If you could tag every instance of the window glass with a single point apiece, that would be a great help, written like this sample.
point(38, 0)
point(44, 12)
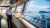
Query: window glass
point(38, 13)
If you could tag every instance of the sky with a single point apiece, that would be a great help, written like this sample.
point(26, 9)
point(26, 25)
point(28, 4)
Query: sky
point(37, 5)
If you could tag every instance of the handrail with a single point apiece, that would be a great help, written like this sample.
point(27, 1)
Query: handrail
point(27, 24)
